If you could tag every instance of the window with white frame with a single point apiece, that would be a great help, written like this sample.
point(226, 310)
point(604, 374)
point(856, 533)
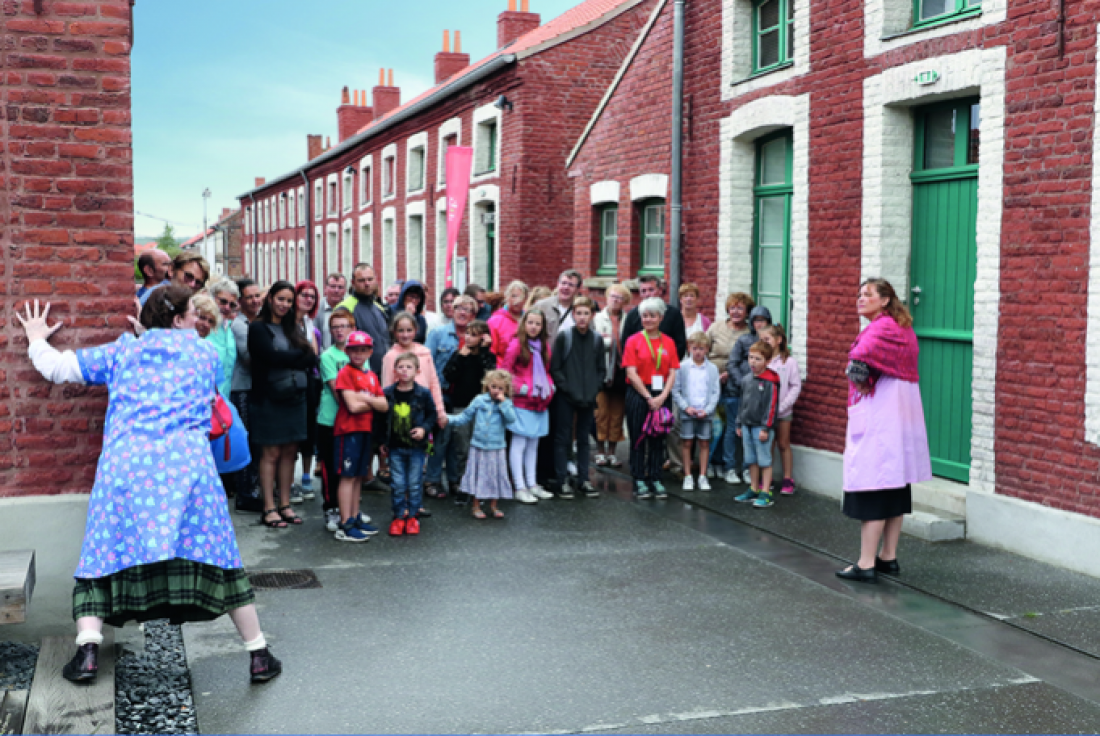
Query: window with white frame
point(333, 193)
point(440, 245)
point(302, 206)
point(416, 163)
point(318, 199)
point(389, 176)
point(332, 248)
point(366, 168)
point(444, 145)
point(248, 221)
point(389, 247)
point(292, 209)
point(349, 190)
point(347, 248)
point(450, 134)
point(607, 218)
point(764, 43)
point(486, 147)
point(302, 263)
point(318, 254)
point(926, 12)
point(414, 247)
point(651, 221)
point(281, 266)
point(366, 242)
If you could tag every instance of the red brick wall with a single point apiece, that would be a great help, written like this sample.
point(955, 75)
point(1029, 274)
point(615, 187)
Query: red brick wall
point(1045, 226)
point(67, 203)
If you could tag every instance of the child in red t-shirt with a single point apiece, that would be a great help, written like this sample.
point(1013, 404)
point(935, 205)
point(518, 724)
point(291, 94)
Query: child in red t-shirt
point(359, 393)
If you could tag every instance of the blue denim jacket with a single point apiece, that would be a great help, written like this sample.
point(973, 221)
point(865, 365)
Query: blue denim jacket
point(443, 342)
point(490, 420)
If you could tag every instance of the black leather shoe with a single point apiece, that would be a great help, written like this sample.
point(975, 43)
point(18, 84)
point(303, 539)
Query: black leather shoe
point(858, 574)
point(265, 666)
point(887, 567)
point(84, 666)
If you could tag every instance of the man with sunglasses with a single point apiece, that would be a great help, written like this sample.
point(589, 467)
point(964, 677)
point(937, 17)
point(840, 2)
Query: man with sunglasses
point(189, 269)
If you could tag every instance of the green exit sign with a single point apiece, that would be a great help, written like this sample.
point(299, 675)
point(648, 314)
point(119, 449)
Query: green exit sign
point(929, 76)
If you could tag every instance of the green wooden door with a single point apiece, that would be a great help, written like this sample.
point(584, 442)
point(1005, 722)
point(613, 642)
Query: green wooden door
point(942, 272)
point(772, 196)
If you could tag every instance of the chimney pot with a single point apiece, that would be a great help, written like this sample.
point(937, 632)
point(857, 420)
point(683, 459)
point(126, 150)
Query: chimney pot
point(344, 99)
point(448, 63)
point(446, 41)
point(387, 97)
point(512, 23)
point(381, 77)
point(511, 6)
point(458, 42)
point(260, 181)
point(389, 80)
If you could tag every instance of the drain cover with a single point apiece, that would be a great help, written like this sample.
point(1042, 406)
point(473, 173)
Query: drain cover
point(284, 579)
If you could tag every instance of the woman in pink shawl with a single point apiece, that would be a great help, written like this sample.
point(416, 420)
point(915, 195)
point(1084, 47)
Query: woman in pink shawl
point(886, 448)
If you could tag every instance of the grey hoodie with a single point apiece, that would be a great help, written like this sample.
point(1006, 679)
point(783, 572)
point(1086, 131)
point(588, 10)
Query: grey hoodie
point(738, 365)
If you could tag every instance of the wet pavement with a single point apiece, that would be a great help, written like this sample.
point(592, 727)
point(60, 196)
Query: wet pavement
point(650, 617)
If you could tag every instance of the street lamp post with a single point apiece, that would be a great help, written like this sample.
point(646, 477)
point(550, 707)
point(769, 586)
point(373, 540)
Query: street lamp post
point(205, 230)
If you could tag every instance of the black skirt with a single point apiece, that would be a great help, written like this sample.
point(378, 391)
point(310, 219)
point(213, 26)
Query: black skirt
point(878, 505)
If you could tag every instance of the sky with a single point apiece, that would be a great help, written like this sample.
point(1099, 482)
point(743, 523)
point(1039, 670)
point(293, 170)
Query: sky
point(227, 90)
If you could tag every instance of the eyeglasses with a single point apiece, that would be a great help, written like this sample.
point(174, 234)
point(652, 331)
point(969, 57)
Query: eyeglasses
point(190, 278)
point(228, 303)
point(336, 327)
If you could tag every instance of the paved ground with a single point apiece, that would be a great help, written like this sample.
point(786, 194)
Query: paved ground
point(650, 617)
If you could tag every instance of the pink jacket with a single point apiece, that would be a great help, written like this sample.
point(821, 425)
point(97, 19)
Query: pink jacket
point(426, 376)
point(790, 384)
point(502, 326)
point(522, 376)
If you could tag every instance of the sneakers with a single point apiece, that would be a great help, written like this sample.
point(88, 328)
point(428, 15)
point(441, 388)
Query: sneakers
point(349, 531)
point(566, 491)
point(712, 472)
point(307, 493)
point(641, 490)
point(363, 518)
point(524, 495)
point(787, 489)
point(764, 500)
point(659, 489)
point(539, 492)
point(600, 460)
point(332, 519)
point(747, 476)
point(704, 484)
point(747, 497)
point(689, 483)
point(265, 666)
point(364, 525)
point(732, 477)
point(589, 490)
point(296, 494)
point(412, 527)
point(397, 527)
point(84, 666)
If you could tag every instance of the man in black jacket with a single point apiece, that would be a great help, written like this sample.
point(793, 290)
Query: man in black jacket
point(578, 367)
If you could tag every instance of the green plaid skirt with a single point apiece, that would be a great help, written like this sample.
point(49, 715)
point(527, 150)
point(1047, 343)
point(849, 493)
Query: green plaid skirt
point(178, 590)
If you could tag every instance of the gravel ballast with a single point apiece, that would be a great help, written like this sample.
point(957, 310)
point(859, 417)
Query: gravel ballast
point(153, 689)
point(17, 663)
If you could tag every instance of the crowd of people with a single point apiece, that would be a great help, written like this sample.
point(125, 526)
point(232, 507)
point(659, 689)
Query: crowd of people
point(504, 392)
point(509, 393)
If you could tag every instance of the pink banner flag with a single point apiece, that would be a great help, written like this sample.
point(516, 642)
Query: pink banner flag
point(459, 161)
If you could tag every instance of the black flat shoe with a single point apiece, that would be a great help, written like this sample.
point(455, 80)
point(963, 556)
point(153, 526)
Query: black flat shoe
point(887, 567)
point(265, 666)
point(858, 574)
point(84, 666)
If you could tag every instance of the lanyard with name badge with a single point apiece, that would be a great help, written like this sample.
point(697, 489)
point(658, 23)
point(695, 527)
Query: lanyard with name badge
point(656, 382)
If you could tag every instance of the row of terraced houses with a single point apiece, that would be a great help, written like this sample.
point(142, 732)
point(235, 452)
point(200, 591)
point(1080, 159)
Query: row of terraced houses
point(946, 145)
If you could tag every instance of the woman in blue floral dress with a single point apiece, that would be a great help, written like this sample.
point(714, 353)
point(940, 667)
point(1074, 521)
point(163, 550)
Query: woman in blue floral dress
point(158, 541)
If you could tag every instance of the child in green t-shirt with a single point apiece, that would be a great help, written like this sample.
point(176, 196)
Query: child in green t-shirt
point(341, 324)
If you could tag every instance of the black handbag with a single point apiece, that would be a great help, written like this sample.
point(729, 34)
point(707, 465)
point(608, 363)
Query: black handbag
point(286, 386)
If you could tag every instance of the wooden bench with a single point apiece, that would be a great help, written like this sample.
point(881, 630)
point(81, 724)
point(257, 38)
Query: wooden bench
point(58, 706)
point(16, 585)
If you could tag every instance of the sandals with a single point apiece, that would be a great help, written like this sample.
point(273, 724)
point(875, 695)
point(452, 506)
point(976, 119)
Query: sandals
point(289, 518)
point(278, 523)
point(497, 514)
point(478, 513)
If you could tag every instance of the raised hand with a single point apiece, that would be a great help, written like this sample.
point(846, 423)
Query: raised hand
point(35, 324)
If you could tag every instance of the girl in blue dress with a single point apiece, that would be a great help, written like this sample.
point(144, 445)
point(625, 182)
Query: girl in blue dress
point(158, 541)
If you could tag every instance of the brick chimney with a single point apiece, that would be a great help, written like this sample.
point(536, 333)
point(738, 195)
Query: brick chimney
point(351, 116)
point(448, 63)
point(315, 146)
point(512, 23)
point(226, 212)
point(386, 97)
point(260, 181)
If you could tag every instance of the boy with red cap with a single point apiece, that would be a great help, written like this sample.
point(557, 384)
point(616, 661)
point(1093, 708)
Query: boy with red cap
point(360, 393)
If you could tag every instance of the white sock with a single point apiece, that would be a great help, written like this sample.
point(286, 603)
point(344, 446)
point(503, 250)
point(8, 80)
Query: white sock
point(89, 637)
point(256, 644)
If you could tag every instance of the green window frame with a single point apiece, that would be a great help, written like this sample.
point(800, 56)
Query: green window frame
point(773, 191)
point(486, 160)
point(932, 12)
point(607, 217)
point(651, 228)
point(947, 142)
point(773, 34)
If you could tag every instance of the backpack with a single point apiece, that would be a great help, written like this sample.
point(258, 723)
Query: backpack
point(658, 423)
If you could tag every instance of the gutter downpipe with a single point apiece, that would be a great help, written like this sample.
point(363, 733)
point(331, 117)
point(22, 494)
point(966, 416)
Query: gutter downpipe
point(255, 237)
point(306, 225)
point(675, 227)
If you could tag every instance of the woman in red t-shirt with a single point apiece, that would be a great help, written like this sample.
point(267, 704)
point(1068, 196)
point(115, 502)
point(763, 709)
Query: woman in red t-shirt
point(651, 362)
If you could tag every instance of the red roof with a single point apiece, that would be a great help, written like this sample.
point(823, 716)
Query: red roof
point(188, 243)
point(575, 18)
